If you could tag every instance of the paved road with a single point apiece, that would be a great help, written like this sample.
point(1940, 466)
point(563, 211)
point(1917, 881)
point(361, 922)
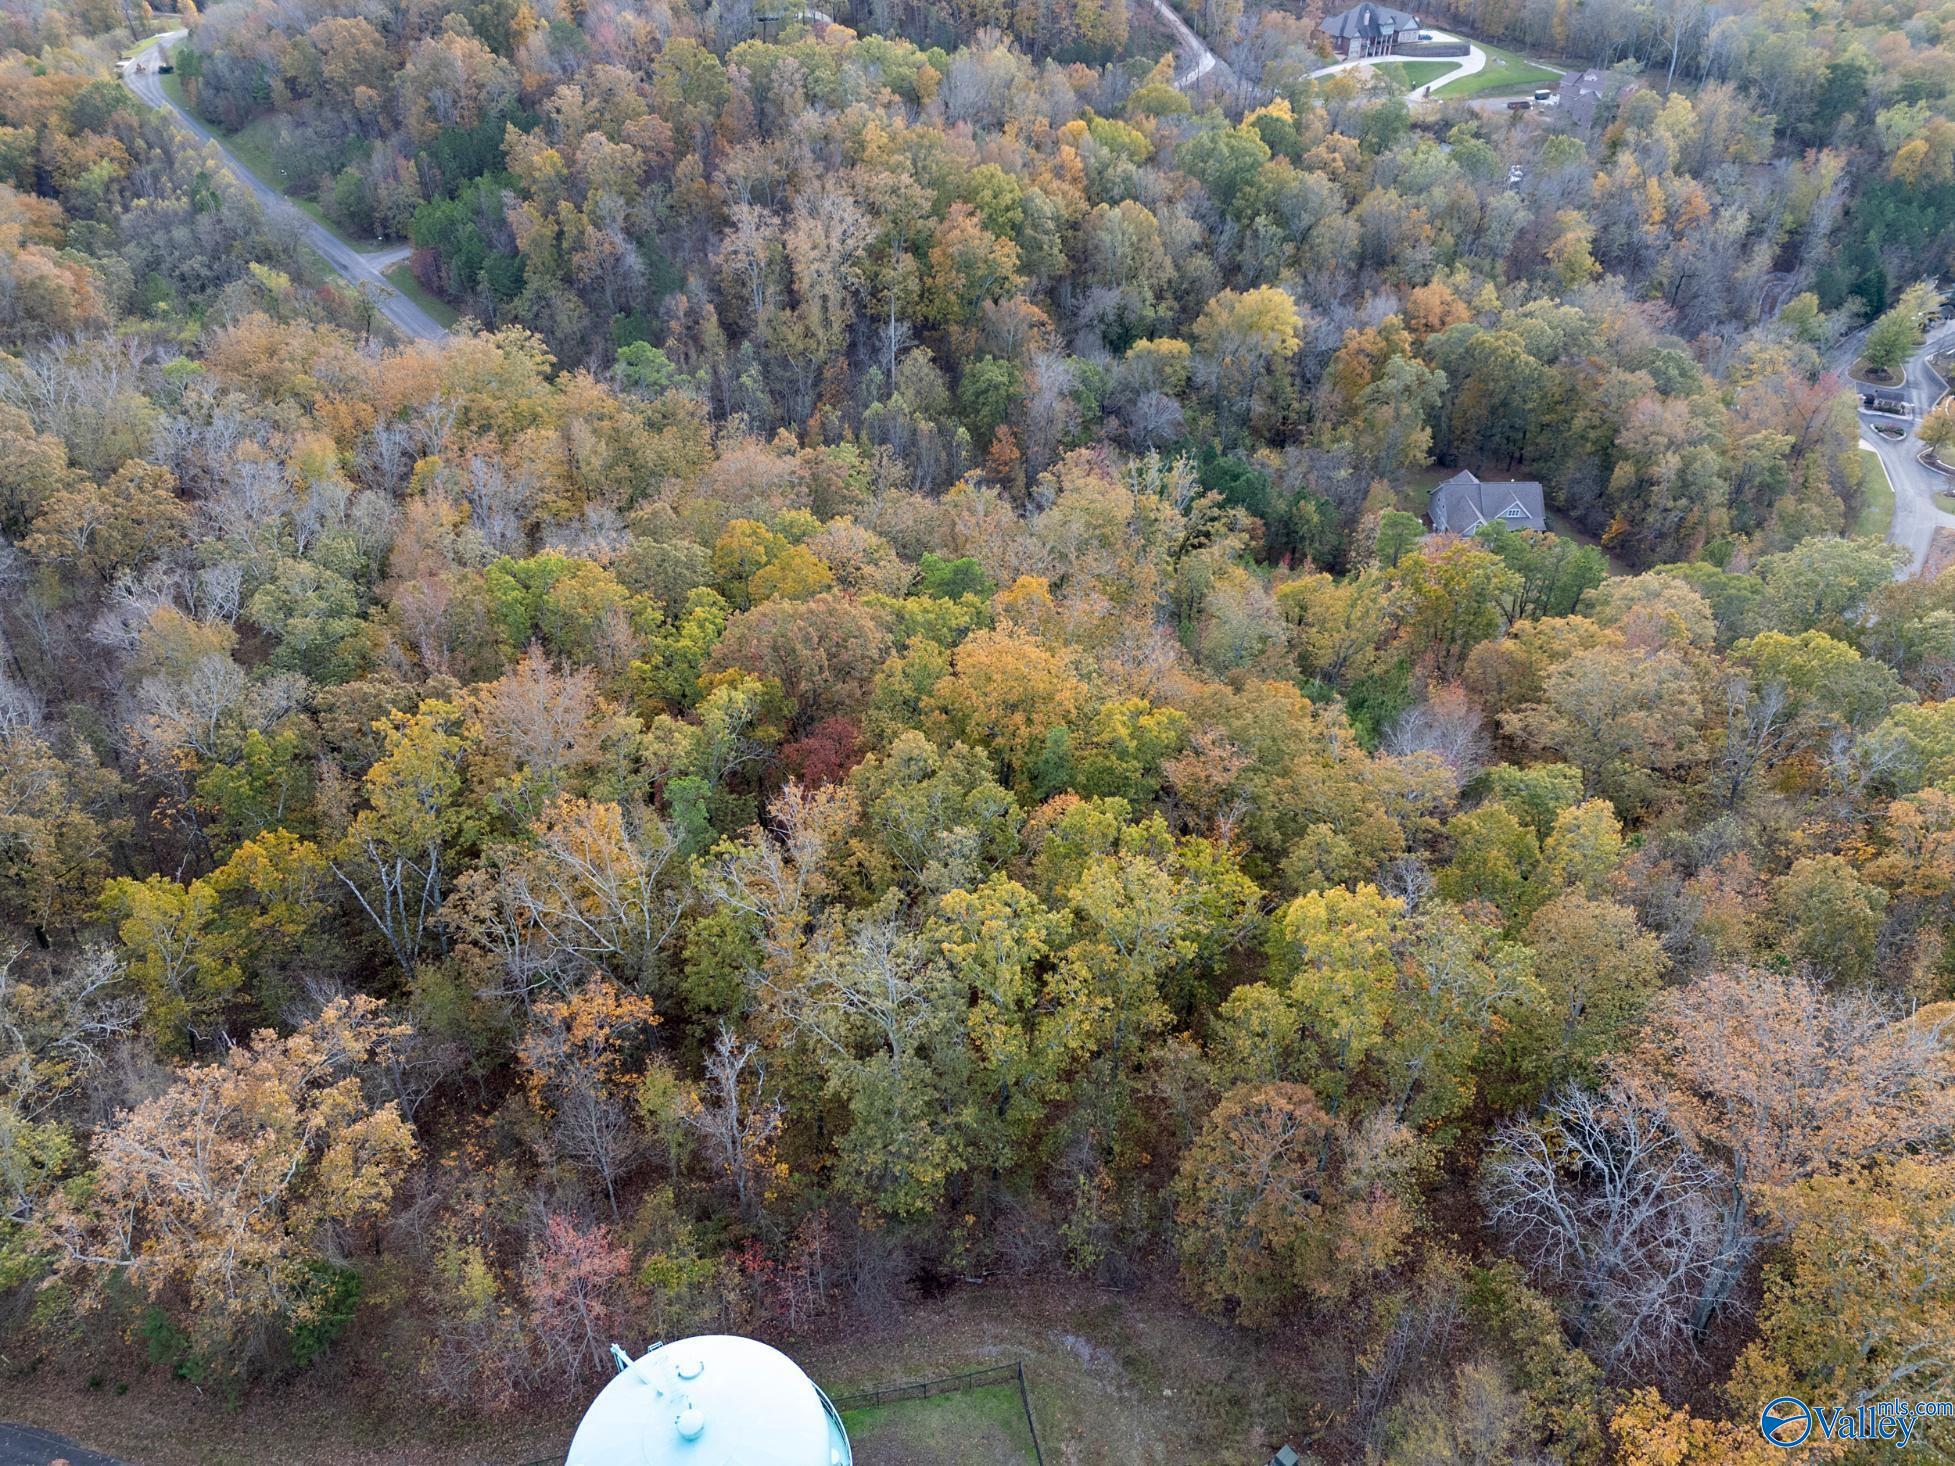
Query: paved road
point(1204, 60)
point(1916, 515)
point(359, 268)
point(23, 1445)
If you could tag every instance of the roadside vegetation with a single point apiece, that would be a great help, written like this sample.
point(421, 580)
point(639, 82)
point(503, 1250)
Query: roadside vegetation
point(401, 277)
point(1878, 514)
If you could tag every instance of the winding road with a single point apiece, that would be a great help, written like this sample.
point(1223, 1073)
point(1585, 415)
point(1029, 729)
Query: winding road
point(1205, 60)
point(1916, 515)
point(361, 268)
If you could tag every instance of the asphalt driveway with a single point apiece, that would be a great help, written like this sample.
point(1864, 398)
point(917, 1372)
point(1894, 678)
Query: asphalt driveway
point(23, 1445)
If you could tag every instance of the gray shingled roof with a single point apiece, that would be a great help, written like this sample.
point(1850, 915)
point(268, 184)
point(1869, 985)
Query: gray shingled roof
point(1369, 23)
point(1601, 83)
point(1463, 503)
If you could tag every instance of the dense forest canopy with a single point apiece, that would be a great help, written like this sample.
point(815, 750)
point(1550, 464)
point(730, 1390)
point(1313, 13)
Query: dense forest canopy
point(880, 710)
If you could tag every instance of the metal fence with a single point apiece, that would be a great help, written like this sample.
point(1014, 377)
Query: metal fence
point(976, 1379)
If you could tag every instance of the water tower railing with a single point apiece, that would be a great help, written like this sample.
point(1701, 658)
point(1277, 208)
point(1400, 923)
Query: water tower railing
point(841, 1431)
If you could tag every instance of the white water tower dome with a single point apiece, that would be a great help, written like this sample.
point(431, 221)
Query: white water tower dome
point(717, 1400)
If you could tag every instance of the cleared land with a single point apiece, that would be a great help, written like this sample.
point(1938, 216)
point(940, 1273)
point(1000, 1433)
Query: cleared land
point(1116, 1379)
point(1504, 74)
point(982, 1427)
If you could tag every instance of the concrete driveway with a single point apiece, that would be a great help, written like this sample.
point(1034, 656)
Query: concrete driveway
point(1474, 60)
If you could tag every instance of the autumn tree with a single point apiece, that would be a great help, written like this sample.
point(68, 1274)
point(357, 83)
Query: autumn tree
point(1375, 1006)
point(1595, 973)
point(594, 889)
point(1775, 1080)
point(1893, 338)
point(398, 855)
point(1240, 335)
point(578, 1297)
point(1624, 718)
point(1858, 1305)
point(1277, 1204)
point(224, 1196)
point(1448, 598)
point(582, 1058)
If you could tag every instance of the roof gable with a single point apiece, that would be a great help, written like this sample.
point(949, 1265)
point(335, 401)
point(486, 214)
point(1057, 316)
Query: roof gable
point(1464, 502)
point(1369, 21)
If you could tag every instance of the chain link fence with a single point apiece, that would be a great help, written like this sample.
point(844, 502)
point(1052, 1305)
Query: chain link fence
point(976, 1379)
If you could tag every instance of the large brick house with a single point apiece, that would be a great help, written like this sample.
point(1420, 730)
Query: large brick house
point(1369, 30)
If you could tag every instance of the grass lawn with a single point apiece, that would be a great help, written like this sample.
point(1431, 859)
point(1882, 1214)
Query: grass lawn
point(1409, 76)
point(1505, 74)
point(1415, 486)
point(984, 1427)
point(401, 277)
point(252, 144)
point(1878, 515)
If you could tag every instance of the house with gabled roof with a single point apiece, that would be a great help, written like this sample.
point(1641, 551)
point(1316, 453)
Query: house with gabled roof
point(1464, 502)
point(1583, 94)
point(1369, 30)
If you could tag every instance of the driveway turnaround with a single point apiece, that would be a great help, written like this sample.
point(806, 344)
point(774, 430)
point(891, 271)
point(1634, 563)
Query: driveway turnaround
point(1916, 515)
point(1474, 60)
